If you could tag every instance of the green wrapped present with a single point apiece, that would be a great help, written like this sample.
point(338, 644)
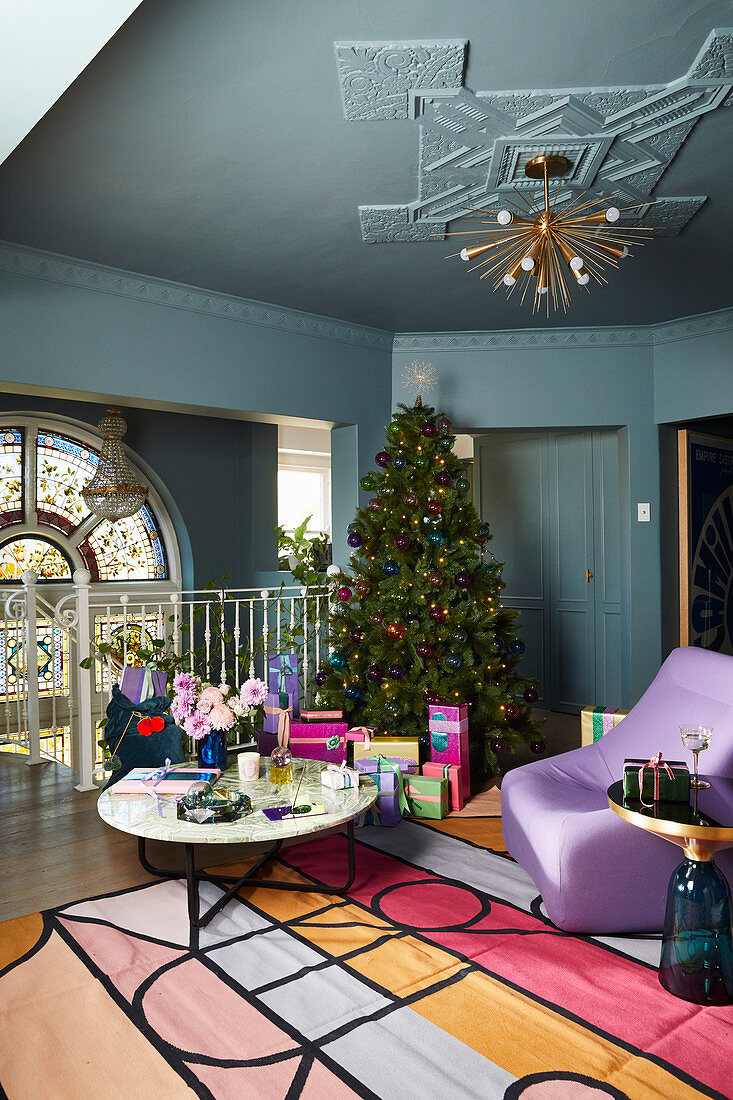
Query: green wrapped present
point(656, 780)
point(427, 795)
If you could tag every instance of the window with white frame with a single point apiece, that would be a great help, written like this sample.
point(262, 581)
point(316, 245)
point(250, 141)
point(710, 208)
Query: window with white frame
point(304, 479)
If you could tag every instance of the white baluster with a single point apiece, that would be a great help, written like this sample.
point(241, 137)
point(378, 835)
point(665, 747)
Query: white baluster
point(265, 631)
point(251, 639)
point(6, 648)
point(85, 726)
point(190, 635)
point(318, 632)
point(124, 600)
point(207, 639)
point(30, 663)
point(304, 594)
point(223, 673)
point(176, 620)
point(237, 636)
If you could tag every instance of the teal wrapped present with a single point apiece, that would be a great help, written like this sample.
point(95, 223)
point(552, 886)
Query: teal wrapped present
point(656, 780)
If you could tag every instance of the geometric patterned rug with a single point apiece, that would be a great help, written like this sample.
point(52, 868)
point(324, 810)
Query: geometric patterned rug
point(437, 976)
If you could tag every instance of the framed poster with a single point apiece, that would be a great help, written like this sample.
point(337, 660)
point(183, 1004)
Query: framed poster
point(705, 465)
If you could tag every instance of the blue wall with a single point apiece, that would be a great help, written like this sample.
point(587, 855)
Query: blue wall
point(521, 384)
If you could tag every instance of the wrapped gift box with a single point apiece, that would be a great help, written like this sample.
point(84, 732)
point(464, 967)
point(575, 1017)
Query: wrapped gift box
point(282, 676)
point(276, 704)
point(403, 747)
point(388, 777)
point(427, 795)
point(595, 722)
point(177, 781)
point(657, 784)
point(339, 779)
point(403, 762)
point(450, 746)
point(443, 719)
point(451, 772)
point(321, 715)
point(139, 684)
point(319, 740)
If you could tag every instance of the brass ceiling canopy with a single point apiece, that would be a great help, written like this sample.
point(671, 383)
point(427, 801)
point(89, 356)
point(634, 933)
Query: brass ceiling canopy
point(540, 243)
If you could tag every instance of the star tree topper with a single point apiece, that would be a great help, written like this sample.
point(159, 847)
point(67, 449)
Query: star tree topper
point(419, 378)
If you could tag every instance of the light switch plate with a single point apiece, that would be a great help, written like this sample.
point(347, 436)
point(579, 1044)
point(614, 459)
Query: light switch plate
point(644, 513)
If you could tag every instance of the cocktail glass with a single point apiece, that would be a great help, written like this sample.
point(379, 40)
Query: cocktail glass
point(696, 738)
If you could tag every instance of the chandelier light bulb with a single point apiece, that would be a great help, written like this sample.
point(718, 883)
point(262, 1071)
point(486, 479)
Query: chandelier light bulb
point(612, 214)
point(527, 263)
point(583, 279)
point(576, 263)
point(509, 279)
point(464, 254)
point(505, 217)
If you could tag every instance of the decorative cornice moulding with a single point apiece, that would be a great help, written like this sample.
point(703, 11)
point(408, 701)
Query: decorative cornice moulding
point(51, 267)
point(701, 324)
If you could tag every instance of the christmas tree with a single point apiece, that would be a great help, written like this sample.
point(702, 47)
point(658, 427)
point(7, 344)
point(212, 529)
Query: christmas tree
point(418, 617)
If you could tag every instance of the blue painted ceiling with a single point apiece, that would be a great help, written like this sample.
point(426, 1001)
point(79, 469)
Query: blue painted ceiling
point(207, 143)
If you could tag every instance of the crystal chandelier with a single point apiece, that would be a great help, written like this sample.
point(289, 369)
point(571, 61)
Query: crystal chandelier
point(114, 491)
point(533, 246)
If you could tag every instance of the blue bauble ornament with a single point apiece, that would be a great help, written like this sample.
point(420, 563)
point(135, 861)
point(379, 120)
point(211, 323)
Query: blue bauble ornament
point(436, 538)
point(518, 646)
point(454, 661)
point(499, 645)
point(399, 462)
point(354, 539)
point(351, 527)
point(463, 485)
point(337, 660)
point(484, 532)
point(390, 567)
point(351, 691)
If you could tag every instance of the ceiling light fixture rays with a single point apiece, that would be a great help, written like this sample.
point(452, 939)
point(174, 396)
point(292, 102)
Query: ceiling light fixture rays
point(541, 243)
point(114, 491)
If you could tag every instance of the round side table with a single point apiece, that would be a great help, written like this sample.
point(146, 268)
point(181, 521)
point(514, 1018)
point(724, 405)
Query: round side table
point(697, 944)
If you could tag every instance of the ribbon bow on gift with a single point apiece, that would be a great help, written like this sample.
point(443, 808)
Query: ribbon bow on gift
point(655, 764)
point(385, 763)
point(286, 669)
point(362, 733)
point(147, 690)
point(155, 778)
point(341, 769)
point(283, 724)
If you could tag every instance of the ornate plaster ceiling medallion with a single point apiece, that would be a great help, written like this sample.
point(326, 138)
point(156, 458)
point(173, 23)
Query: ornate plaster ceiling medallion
point(474, 145)
point(530, 246)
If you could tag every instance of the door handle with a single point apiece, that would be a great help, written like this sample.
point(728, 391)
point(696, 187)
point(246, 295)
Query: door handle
point(588, 575)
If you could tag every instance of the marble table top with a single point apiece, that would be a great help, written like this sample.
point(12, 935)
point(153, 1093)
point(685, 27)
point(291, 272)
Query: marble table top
point(138, 813)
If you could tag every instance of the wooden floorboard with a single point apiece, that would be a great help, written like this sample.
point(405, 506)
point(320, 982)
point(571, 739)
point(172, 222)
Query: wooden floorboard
point(55, 849)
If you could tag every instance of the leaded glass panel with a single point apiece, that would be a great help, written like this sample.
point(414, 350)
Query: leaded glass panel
point(11, 476)
point(63, 469)
point(114, 629)
point(52, 659)
point(25, 553)
point(129, 549)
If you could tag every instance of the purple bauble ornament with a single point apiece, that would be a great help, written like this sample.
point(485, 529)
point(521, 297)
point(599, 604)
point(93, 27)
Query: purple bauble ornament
point(462, 580)
point(445, 425)
point(356, 635)
point(354, 539)
point(382, 459)
point(320, 678)
point(537, 747)
point(423, 649)
point(443, 478)
point(431, 697)
point(530, 695)
point(395, 672)
point(402, 541)
point(437, 614)
point(374, 673)
point(428, 430)
point(498, 746)
point(344, 593)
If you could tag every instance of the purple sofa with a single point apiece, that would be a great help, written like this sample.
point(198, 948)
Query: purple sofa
point(597, 873)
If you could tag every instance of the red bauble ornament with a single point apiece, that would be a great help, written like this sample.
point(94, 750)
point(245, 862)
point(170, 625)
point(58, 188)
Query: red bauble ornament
point(537, 747)
point(382, 459)
point(431, 697)
point(374, 506)
point(437, 614)
point(498, 746)
point(511, 710)
point(462, 580)
point(344, 594)
point(376, 618)
point(434, 508)
point(374, 673)
point(435, 579)
point(411, 500)
point(428, 430)
point(396, 630)
point(362, 588)
point(423, 650)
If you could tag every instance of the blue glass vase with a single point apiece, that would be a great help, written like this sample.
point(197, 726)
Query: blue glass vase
point(697, 947)
point(212, 750)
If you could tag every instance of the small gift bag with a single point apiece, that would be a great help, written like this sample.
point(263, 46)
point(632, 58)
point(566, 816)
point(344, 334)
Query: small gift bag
point(139, 684)
point(451, 772)
point(427, 795)
point(282, 677)
point(448, 728)
point(656, 780)
point(388, 776)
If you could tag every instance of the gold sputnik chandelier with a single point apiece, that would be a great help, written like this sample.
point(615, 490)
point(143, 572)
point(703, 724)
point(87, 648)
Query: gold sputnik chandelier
point(533, 246)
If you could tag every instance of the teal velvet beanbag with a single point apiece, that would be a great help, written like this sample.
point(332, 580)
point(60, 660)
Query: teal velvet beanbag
point(133, 749)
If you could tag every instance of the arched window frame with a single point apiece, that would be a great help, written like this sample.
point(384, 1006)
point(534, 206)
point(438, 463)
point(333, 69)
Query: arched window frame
point(32, 424)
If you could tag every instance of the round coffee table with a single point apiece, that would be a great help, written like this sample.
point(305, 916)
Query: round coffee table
point(149, 818)
point(697, 944)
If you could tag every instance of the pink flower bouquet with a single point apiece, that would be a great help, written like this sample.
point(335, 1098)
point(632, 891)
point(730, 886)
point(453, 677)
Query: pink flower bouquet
point(200, 707)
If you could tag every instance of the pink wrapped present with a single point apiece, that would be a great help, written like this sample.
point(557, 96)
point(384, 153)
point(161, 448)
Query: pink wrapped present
point(449, 742)
point(319, 740)
point(447, 719)
point(139, 684)
point(321, 715)
point(175, 781)
point(453, 773)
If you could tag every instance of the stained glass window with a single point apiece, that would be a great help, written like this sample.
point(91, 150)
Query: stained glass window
point(11, 476)
point(63, 468)
point(128, 549)
point(33, 553)
point(52, 659)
